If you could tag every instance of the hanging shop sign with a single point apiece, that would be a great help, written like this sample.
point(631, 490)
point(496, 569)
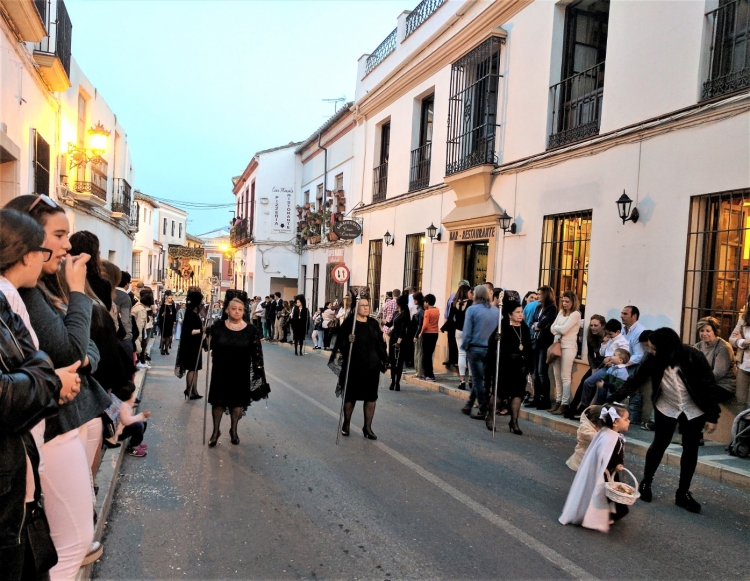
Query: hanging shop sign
point(340, 274)
point(347, 229)
point(281, 198)
point(469, 234)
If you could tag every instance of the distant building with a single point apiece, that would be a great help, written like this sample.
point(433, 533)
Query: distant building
point(218, 253)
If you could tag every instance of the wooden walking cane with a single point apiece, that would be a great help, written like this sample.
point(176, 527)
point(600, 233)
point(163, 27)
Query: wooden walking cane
point(352, 338)
point(208, 374)
point(497, 361)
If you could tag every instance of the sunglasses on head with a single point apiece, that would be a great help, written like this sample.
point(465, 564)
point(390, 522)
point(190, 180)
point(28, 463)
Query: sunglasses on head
point(43, 198)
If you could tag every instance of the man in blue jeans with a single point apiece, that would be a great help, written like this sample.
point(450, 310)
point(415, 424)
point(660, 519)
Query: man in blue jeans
point(480, 322)
point(632, 329)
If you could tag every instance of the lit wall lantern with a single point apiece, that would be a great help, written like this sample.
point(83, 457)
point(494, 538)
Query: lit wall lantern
point(623, 208)
point(433, 233)
point(80, 156)
point(506, 223)
point(388, 239)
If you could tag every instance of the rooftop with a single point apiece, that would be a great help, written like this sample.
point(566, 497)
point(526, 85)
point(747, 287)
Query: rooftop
point(340, 114)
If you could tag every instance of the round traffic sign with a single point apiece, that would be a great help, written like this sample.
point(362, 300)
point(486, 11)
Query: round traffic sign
point(340, 273)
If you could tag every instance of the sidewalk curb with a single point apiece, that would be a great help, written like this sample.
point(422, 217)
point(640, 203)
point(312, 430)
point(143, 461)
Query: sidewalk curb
point(109, 471)
point(713, 470)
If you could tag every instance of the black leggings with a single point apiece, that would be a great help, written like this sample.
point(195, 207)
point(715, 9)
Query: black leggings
point(663, 431)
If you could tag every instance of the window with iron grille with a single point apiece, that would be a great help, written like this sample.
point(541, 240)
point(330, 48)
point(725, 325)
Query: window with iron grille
point(172, 227)
point(472, 108)
point(374, 264)
point(136, 265)
point(577, 99)
point(179, 230)
point(315, 282)
point(729, 60)
point(564, 263)
point(414, 261)
point(380, 172)
point(717, 265)
point(41, 164)
point(165, 227)
point(419, 176)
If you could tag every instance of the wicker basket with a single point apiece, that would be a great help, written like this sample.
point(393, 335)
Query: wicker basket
point(621, 497)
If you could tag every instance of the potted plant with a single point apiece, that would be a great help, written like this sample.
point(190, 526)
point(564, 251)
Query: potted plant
point(332, 236)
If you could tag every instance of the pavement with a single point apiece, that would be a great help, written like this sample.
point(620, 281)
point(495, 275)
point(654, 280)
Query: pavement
point(434, 498)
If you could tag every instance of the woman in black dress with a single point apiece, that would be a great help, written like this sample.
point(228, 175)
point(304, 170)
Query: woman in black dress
point(167, 320)
point(237, 376)
point(397, 338)
point(516, 362)
point(300, 323)
point(189, 353)
point(369, 359)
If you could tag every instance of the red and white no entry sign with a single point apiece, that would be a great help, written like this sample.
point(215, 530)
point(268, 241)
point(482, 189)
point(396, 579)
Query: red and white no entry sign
point(340, 274)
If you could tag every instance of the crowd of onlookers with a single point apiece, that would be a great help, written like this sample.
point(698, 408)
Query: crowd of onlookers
point(72, 331)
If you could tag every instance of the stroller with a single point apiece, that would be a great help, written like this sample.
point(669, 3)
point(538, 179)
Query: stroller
point(740, 445)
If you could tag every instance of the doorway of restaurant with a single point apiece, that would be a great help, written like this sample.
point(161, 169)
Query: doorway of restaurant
point(475, 256)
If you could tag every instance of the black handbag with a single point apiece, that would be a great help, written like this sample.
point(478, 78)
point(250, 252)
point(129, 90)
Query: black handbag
point(38, 533)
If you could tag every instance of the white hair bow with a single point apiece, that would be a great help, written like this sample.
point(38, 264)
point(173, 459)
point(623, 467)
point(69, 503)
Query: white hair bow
point(611, 412)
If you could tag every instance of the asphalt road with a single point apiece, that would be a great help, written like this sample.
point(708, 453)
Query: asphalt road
point(433, 498)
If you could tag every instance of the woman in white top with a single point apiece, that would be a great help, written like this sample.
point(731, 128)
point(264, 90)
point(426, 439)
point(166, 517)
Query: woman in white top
point(565, 329)
point(740, 340)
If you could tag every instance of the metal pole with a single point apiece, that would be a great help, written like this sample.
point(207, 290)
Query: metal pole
point(208, 373)
point(352, 337)
point(497, 361)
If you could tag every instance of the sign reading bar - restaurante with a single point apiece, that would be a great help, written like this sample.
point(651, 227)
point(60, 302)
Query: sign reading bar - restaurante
point(473, 234)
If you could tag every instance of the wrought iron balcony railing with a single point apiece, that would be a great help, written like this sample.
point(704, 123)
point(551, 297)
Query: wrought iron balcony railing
point(135, 217)
point(240, 233)
point(121, 198)
point(419, 177)
point(729, 68)
point(379, 182)
point(422, 12)
point(91, 188)
point(384, 49)
point(60, 30)
point(577, 107)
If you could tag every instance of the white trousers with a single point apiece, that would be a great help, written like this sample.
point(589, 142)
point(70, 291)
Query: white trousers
point(66, 483)
point(562, 369)
point(91, 437)
point(461, 354)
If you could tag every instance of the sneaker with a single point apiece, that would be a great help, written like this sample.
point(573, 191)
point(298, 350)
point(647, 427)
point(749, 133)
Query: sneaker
point(142, 446)
point(94, 553)
point(429, 379)
point(140, 365)
point(648, 426)
point(686, 501)
point(137, 452)
point(148, 365)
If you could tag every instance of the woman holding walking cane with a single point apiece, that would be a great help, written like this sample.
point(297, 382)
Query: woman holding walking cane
point(368, 359)
point(237, 376)
point(189, 358)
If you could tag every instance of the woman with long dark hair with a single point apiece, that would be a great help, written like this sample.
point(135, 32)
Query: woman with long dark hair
point(461, 302)
point(62, 323)
point(167, 322)
point(85, 242)
point(542, 339)
point(516, 361)
point(594, 340)
point(397, 340)
point(300, 323)
point(684, 394)
point(189, 358)
point(237, 375)
point(369, 359)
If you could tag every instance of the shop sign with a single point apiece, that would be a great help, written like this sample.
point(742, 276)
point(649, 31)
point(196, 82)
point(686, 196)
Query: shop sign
point(282, 209)
point(335, 256)
point(469, 234)
point(347, 229)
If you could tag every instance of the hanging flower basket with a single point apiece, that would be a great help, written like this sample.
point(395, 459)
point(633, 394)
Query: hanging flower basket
point(342, 207)
point(314, 239)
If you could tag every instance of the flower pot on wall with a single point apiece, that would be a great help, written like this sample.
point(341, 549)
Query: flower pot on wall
point(332, 236)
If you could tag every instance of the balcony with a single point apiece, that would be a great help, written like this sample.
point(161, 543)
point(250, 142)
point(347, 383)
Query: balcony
point(419, 177)
point(422, 12)
point(729, 58)
point(52, 53)
point(121, 199)
point(240, 234)
point(577, 107)
point(379, 182)
point(384, 49)
point(29, 18)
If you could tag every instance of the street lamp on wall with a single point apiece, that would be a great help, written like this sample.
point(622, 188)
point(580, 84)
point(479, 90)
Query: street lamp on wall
point(388, 239)
point(433, 233)
point(506, 223)
point(623, 208)
point(98, 140)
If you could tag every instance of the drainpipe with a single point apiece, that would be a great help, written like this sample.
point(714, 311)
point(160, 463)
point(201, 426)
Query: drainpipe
point(325, 166)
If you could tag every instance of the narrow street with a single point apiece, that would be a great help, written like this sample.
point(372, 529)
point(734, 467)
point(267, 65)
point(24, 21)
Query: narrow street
point(433, 498)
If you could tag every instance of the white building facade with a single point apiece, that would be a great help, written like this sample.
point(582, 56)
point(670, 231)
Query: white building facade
point(265, 257)
point(147, 250)
point(58, 136)
point(546, 112)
